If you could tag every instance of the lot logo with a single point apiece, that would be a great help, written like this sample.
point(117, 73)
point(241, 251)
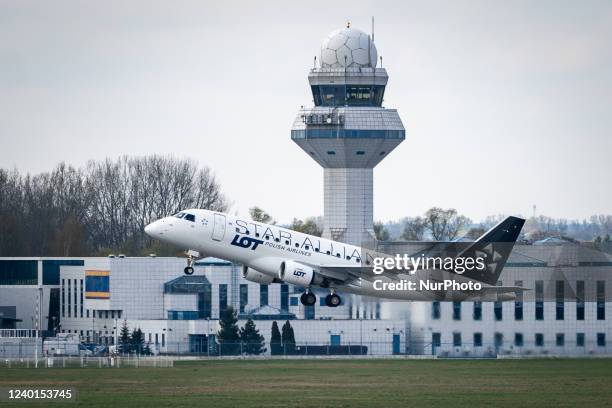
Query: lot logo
point(299, 274)
point(246, 242)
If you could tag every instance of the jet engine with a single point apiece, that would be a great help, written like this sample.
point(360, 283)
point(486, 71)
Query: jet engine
point(298, 274)
point(257, 277)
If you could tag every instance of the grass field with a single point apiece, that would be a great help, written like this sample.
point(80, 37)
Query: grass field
point(334, 383)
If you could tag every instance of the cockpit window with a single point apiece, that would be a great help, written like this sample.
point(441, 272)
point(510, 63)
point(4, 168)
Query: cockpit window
point(190, 217)
point(179, 215)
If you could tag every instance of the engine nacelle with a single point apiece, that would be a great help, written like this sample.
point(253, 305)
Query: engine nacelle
point(252, 275)
point(298, 274)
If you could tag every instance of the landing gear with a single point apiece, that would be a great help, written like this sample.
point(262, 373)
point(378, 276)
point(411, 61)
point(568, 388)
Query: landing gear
point(333, 300)
point(191, 256)
point(308, 298)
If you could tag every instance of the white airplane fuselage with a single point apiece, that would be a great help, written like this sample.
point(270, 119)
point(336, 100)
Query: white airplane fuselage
point(264, 248)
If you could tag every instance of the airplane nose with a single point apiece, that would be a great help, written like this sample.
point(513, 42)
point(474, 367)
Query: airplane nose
point(152, 229)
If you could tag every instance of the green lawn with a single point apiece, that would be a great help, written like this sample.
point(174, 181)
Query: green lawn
point(334, 383)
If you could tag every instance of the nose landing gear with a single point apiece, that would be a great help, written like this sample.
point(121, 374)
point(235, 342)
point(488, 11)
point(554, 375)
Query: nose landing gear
point(191, 257)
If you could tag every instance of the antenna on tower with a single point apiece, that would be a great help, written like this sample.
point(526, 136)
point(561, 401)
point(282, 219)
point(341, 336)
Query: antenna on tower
point(315, 62)
point(372, 29)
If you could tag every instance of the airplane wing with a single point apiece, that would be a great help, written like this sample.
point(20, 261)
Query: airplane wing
point(345, 273)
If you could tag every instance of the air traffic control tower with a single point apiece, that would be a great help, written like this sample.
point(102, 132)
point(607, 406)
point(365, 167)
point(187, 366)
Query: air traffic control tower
point(348, 132)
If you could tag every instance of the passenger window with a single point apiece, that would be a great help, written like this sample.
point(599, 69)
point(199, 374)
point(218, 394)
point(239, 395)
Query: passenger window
point(190, 217)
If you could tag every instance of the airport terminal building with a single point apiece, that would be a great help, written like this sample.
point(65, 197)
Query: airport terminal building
point(567, 310)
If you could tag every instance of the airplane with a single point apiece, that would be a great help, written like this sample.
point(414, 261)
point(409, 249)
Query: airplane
point(274, 254)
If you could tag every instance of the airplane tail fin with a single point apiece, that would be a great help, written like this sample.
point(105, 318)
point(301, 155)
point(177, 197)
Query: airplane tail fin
point(494, 246)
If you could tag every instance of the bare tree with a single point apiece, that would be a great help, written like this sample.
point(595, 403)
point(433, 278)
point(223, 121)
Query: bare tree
point(259, 215)
point(101, 208)
point(414, 229)
point(444, 225)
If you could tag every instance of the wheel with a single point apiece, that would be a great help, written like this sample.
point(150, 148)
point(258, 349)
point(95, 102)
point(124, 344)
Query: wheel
point(308, 299)
point(333, 300)
point(188, 270)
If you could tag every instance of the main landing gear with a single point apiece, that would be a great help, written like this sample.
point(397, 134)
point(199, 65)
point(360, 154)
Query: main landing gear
point(332, 300)
point(191, 257)
point(308, 298)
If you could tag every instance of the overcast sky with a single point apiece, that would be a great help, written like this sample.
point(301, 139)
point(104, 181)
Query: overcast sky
point(506, 104)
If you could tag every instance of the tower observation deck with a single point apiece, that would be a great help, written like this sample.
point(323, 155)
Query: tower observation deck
point(348, 132)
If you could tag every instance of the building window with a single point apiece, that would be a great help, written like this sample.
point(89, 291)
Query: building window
point(222, 297)
point(294, 300)
point(456, 310)
point(601, 300)
point(263, 295)
point(435, 310)
point(244, 296)
point(580, 300)
point(518, 303)
point(497, 310)
point(560, 339)
point(539, 339)
point(518, 339)
point(75, 298)
point(539, 296)
point(69, 306)
point(81, 297)
point(499, 340)
point(579, 339)
point(560, 295)
point(601, 339)
point(18, 272)
point(63, 298)
point(477, 313)
point(309, 312)
point(436, 340)
point(457, 339)
point(477, 339)
point(284, 289)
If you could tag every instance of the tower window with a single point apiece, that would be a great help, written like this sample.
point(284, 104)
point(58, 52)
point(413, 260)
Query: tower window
point(360, 152)
point(331, 152)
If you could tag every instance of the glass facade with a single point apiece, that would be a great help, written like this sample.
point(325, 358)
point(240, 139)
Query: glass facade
point(348, 95)
point(337, 132)
point(94, 284)
point(18, 272)
point(51, 269)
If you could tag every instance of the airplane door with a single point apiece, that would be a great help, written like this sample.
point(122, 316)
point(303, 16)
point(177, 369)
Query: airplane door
point(219, 228)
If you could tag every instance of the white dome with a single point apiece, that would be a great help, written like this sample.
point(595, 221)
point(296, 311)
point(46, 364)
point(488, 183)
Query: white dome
point(348, 47)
